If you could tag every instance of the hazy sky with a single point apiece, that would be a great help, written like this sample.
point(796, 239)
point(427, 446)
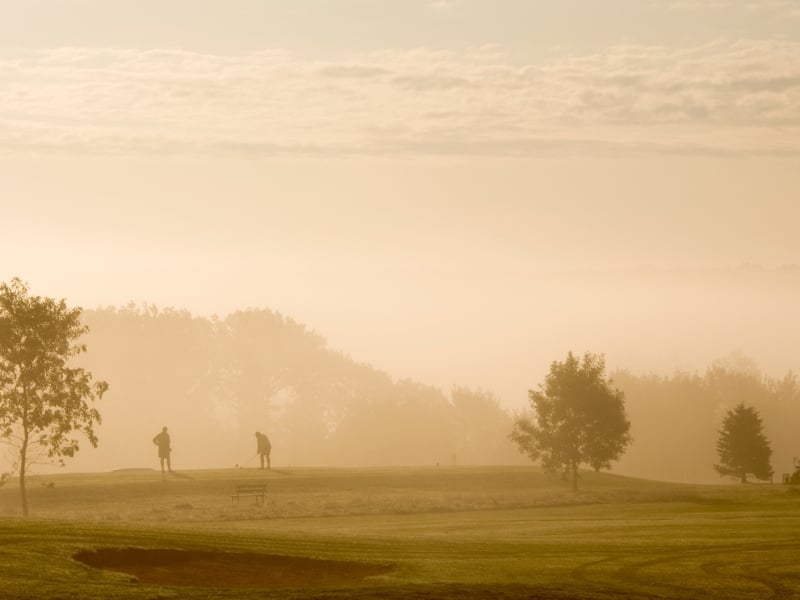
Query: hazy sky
point(456, 191)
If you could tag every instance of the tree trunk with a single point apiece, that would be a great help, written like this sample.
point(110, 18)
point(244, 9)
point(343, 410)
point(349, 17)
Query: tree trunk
point(23, 458)
point(574, 477)
point(23, 453)
point(744, 477)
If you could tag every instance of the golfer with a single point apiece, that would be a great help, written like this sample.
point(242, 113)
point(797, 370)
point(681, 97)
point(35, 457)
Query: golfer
point(162, 441)
point(263, 448)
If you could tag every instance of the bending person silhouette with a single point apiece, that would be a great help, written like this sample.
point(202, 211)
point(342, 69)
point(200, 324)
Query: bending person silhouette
point(263, 448)
point(162, 441)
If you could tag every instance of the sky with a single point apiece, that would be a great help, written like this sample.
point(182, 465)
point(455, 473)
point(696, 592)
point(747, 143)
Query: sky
point(455, 191)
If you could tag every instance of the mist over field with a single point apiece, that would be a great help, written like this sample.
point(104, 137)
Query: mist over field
point(368, 229)
point(684, 346)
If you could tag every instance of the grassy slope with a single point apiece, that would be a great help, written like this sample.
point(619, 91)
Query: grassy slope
point(481, 531)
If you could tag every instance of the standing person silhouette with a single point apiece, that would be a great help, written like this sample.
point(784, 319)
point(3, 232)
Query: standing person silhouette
point(263, 448)
point(162, 441)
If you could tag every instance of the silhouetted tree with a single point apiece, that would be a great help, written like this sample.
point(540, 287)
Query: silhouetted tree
point(742, 446)
point(257, 369)
point(167, 366)
point(580, 418)
point(687, 405)
point(43, 400)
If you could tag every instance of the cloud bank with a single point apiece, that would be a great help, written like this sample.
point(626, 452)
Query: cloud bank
point(779, 8)
point(728, 98)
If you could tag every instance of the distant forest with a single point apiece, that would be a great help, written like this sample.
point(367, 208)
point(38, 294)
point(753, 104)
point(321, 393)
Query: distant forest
point(675, 419)
point(214, 382)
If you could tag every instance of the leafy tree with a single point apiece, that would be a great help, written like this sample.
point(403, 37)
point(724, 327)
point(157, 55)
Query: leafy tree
point(580, 418)
point(742, 446)
point(43, 399)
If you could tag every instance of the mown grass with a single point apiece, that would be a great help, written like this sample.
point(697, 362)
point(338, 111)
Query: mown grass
point(448, 532)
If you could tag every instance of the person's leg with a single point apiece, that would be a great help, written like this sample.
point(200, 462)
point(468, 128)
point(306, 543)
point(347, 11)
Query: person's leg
point(261, 458)
point(269, 466)
point(169, 464)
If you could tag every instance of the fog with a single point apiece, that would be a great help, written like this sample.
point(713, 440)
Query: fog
point(368, 230)
point(685, 346)
point(436, 275)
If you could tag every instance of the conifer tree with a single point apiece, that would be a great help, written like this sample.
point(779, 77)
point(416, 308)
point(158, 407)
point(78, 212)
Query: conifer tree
point(742, 446)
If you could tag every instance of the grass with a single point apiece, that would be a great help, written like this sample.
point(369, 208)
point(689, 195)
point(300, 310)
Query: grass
point(445, 532)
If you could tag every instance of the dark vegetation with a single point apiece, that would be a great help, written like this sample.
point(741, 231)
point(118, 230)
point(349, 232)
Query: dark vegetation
point(44, 400)
point(742, 446)
point(580, 418)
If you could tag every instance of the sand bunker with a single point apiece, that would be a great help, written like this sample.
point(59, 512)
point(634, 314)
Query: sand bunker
point(227, 569)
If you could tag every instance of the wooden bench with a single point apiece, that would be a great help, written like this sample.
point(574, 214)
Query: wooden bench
point(257, 490)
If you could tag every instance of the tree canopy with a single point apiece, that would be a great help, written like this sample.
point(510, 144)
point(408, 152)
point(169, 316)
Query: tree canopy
point(742, 446)
point(215, 381)
point(579, 418)
point(690, 406)
point(43, 399)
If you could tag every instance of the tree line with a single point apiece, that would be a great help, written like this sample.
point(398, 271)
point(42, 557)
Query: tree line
point(578, 417)
point(221, 379)
point(676, 418)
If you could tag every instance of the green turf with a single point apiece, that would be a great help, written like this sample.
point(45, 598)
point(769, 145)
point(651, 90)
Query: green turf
point(447, 532)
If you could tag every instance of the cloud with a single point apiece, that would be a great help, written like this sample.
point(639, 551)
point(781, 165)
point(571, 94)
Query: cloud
point(351, 71)
point(778, 8)
point(443, 4)
point(737, 98)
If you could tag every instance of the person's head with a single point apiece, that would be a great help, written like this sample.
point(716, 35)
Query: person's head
point(164, 429)
point(258, 433)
